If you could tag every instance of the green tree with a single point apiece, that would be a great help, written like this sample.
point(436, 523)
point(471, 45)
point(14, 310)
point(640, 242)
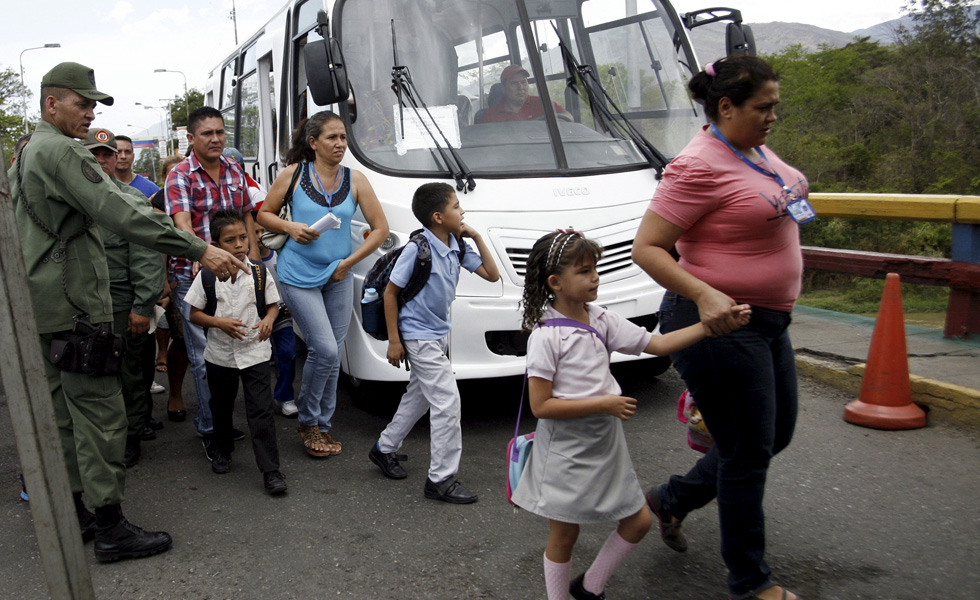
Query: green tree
point(12, 95)
point(179, 110)
point(148, 163)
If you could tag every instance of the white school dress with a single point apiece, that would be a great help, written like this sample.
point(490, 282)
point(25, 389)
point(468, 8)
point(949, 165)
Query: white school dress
point(580, 470)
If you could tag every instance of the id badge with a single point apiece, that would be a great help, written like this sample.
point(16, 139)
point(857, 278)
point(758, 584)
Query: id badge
point(801, 211)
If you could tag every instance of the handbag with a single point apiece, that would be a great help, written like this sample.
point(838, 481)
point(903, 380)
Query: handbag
point(275, 241)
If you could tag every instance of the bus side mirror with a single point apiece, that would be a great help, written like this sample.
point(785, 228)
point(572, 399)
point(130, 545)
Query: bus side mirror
point(325, 71)
point(739, 40)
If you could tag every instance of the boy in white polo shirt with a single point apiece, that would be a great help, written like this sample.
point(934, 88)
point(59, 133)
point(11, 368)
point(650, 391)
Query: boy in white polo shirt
point(419, 331)
point(238, 347)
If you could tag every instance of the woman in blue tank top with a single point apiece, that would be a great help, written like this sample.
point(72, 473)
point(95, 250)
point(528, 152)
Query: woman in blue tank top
point(314, 266)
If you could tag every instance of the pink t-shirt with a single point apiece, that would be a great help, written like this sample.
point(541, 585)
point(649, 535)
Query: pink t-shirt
point(738, 236)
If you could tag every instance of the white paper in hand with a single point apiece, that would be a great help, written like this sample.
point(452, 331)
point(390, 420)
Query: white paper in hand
point(328, 221)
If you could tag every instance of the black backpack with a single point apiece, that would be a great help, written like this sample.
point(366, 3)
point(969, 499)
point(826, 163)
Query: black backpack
point(211, 299)
point(373, 312)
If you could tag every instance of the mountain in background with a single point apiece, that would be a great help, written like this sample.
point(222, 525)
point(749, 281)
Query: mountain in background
point(709, 41)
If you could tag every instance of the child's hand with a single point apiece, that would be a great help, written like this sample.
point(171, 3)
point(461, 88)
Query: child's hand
point(742, 314)
point(621, 407)
point(232, 327)
point(265, 328)
point(468, 232)
point(396, 353)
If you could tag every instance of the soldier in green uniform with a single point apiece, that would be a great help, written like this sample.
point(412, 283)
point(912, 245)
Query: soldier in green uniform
point(60, 193)
point(135, 284)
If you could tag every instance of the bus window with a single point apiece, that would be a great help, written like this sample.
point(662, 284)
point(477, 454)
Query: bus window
point(227, 88)
point(635, 62)
point(300, 109)
point(248, 122)
point(456, 66)
point(306, 15)
point(495, 58)
point(228, 117)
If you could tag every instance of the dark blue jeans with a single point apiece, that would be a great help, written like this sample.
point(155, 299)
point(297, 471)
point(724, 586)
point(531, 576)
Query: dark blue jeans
point(744, 384)
point(284, 347)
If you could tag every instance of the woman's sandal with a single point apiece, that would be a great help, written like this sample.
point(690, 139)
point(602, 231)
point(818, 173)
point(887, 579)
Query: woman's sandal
point(785, 595)
point(161, 367)
point(313, 441)
point(335, 446)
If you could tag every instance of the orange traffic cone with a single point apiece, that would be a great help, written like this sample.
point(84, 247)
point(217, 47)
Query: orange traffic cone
point(886, 395)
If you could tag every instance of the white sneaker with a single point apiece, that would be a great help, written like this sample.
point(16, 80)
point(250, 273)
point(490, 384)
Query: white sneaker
point(156, 388)
point(289, 409)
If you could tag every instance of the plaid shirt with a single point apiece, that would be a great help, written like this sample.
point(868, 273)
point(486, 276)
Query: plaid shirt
point(189, 188)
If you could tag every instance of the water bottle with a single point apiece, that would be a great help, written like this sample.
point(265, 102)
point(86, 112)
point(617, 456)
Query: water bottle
point(373, 313)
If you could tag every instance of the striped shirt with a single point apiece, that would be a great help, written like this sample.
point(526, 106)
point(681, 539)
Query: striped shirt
point(190, 188)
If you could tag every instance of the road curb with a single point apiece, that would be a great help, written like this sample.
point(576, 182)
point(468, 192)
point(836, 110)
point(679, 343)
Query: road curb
point(945, 402)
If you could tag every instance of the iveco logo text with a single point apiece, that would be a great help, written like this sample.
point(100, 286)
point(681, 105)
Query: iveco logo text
point(572, 191)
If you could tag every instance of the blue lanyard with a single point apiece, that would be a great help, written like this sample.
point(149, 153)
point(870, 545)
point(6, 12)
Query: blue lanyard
point(335, 188)
point(773, 173)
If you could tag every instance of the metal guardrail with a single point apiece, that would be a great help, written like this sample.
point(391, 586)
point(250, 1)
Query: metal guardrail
point(961, 273)
point(901, 207)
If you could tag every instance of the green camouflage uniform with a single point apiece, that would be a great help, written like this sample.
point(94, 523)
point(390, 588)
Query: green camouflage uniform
point(65, 186)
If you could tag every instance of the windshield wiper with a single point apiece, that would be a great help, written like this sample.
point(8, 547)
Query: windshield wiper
point(598, 97)
point(404, 88)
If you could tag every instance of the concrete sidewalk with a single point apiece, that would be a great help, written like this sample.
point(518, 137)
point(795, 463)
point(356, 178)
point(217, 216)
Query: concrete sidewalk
point(832, 347)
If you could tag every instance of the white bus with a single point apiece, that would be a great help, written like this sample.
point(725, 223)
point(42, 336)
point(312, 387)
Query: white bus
point(618, 67)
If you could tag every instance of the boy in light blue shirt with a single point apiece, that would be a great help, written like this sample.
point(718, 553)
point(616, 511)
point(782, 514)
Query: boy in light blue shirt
point(419, 333)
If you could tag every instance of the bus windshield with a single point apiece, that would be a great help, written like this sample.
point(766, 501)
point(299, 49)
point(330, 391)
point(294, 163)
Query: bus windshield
point(508, 111)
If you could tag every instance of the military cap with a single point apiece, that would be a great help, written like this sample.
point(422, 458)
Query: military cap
point(100, 138)
point(77, 78)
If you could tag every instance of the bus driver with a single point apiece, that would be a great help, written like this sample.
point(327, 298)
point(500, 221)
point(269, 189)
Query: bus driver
point(516, 104)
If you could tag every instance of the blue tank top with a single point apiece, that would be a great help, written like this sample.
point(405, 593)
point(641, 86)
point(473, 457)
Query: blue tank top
point(311, 265)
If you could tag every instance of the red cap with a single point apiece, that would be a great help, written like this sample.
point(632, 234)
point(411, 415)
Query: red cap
point(512, 71)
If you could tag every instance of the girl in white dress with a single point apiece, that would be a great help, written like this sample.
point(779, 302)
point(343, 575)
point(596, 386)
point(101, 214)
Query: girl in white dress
point(579, 471)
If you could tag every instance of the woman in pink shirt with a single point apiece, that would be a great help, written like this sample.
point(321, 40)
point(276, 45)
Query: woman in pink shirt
point(731, 208)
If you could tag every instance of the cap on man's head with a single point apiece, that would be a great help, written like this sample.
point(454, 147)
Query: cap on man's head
point(512, 72)
point(234, 154)
point(100, 138)
point(77, 78)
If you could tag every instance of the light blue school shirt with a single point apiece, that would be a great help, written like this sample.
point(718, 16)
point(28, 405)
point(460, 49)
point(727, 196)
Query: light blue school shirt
point(311, 265)
point(426, 316)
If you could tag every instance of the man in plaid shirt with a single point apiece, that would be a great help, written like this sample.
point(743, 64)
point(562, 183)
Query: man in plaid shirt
point(199, 186)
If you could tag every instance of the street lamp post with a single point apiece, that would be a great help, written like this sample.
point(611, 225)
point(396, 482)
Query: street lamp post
point(163, 122)
point(24, 97)
point(187, 104)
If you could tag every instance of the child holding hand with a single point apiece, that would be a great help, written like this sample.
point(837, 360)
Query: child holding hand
point(580, 471)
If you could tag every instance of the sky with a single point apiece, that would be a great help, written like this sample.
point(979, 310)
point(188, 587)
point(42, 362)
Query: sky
point(125, 40)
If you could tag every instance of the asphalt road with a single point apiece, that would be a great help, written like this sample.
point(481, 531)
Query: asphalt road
point(852, 513)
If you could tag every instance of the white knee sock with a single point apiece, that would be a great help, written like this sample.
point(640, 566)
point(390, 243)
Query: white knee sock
point(556, 579)
point(610, 558)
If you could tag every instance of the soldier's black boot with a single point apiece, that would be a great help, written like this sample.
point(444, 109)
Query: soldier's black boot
point(118, 539)
point(86, 520)
point(133, 451)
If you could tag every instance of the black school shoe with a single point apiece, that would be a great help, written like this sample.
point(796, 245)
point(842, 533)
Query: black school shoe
point(387, 462)
point(220, 462)
point(275, 482)
point(450, 490)
point(578, 591)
